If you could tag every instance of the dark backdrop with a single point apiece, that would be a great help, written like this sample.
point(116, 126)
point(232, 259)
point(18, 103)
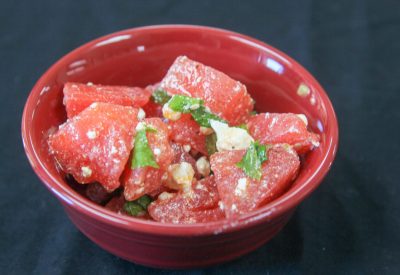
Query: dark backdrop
point(351, 224)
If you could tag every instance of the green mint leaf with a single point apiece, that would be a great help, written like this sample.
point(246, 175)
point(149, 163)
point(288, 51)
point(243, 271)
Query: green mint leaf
point(142, 154)
point(134, 209)
point(203, 117)
point(211, 144)
point(242, 126)
point(251, 162)
point(253, 113)
point(144, 201)
point(194, 106)
point(184, 104)
point(137, 207)
point(160, 97)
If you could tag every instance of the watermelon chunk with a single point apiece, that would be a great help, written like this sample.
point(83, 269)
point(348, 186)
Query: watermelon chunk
point(198, 205)
point(95, 144)
point(273, 128)
point(97, 193)
point(78, 97)
point(116, 204)
point(241, 194)
point(219, 92)
point(186, 131)
point(145, 180)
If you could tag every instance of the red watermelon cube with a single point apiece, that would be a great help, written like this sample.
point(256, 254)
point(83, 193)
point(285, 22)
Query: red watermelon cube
point(186, 131)
point(78, 97)
point(241, 194)
point(223, 95)
point(273, 128)
point(145, 180)
point(201, 204)
point(95, 144)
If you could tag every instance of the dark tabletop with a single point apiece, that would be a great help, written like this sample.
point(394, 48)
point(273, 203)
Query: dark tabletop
point(351, 224)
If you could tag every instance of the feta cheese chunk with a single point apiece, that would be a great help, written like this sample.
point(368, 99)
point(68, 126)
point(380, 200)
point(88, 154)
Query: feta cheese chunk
point(86, 171)
point(203, 166)
point(241, 187)
point(303, 118)
point(206, 131)
point(141, 114)
point(170, 114)
point(182, 174)
point(230, 138)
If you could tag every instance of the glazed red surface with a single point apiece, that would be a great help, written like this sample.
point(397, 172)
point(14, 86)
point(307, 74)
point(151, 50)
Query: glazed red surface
point(139, 57)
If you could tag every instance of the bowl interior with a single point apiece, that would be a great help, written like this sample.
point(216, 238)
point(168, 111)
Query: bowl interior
point(140, 57)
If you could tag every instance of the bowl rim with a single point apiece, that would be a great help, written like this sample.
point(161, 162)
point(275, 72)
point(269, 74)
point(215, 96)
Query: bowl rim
point(278, 207)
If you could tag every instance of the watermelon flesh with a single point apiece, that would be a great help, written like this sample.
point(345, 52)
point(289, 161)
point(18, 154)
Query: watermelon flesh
point(95, 144)
point(274, 128)
point(241, 194)
point(78, 97)
point(198, 205)
point(186, 131)
point(219, 92)
point(145, 180)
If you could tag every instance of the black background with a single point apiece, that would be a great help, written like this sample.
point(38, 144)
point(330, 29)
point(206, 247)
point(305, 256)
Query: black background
point(351, 224)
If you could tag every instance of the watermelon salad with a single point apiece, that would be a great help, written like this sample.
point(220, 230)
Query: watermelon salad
point(188, 149)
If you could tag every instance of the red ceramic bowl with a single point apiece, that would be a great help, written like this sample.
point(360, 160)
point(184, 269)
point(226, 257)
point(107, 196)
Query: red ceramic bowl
point(140, 57)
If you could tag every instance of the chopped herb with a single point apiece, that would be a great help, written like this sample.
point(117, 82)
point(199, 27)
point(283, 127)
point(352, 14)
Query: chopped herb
point(184, 104)
point(144, 201)
point(242, 126)
point(253, 113)
point(134, 209)
point(160, 96)
point(203, 117)
point(251, 162)
point(142, 154)
point(194, 106)
point(211, 146)
point(137, 207)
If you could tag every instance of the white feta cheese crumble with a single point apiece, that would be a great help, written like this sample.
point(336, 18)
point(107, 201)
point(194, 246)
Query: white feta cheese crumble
point(195, 106)
point(86, 171)
point(113, 150)
point(157, 151)
point(91, 134)
point(93, 105)
point(140, 126)
point(234, 207)
point(303, 90)
point(187, 148)
point(89, 84)
point(141, 114)
point(203, 166)
point(206, 131)
point(230, 138)
point(170, 114)
point(165, 196)
point(182, 173)
point(241, 187)
point(303, 118)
